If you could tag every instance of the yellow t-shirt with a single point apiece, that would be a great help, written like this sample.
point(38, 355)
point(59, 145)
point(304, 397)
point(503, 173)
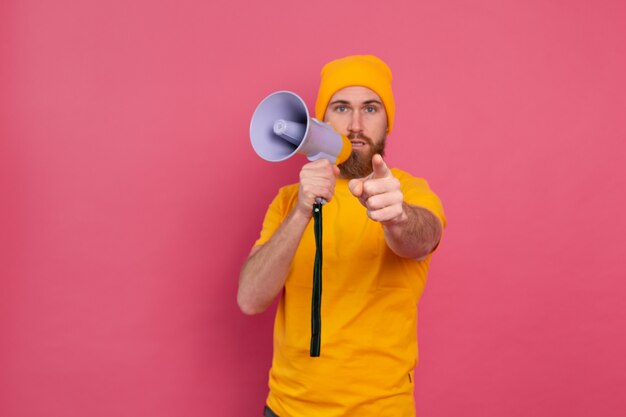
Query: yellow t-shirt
point(369, 312)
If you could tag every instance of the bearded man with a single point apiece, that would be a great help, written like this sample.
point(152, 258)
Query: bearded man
point(381, 227)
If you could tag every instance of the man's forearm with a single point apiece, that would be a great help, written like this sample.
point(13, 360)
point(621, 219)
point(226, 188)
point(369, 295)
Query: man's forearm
point(415, 235)
point(264, 273)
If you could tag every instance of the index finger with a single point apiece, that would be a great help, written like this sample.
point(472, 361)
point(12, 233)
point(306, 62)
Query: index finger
point(380, 167)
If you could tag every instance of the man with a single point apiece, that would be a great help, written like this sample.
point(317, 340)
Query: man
point(380, 227)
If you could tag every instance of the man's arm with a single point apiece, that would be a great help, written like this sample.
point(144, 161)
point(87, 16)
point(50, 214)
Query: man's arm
point(415, 234)
point(264, 273)
point(410, 231)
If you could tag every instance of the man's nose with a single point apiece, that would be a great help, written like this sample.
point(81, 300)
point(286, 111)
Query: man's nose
point(355, 125)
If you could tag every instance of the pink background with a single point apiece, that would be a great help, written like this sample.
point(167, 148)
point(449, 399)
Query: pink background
point(131, 196)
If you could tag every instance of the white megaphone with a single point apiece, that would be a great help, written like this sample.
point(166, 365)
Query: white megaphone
point(281, 127)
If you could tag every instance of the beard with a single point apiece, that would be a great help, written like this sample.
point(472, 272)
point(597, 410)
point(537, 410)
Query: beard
point(359, 164)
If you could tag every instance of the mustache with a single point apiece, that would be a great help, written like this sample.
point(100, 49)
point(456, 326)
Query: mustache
point(366, 139)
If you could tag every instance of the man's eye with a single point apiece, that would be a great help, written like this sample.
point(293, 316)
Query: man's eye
point(340, 109)
point(370, 109)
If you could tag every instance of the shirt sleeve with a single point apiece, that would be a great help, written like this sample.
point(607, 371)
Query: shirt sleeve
point(417, 193)
point(276, 213)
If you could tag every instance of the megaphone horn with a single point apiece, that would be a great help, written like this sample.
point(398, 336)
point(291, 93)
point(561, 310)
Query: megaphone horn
point(281, 127)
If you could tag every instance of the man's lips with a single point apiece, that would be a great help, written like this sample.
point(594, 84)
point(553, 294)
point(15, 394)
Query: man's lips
point(359, 141)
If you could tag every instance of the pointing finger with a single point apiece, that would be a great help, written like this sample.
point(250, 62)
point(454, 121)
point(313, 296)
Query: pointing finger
point(380, 167)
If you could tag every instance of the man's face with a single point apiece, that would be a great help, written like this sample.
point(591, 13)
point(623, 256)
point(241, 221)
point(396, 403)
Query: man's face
point(358, 113)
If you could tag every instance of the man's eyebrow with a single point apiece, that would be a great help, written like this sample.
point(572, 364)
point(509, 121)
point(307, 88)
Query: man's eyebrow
point(373, 101)
point(339, 102)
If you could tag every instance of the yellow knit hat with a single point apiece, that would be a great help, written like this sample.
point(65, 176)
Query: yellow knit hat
point(357, 70)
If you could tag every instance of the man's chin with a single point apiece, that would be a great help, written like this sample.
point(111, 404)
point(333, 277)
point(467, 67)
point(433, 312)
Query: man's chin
point(359, 164)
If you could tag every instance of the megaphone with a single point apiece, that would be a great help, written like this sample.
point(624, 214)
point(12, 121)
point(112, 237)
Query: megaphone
point(281, 127)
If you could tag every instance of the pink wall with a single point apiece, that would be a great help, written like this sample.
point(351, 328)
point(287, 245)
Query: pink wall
point(131, 196)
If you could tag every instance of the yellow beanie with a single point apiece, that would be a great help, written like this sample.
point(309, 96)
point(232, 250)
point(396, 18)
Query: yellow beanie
point(357, 70)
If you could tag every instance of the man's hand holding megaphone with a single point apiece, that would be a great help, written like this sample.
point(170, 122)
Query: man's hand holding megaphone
point(317, 179)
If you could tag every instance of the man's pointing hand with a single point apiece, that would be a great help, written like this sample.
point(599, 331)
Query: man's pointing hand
point(380, 193)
